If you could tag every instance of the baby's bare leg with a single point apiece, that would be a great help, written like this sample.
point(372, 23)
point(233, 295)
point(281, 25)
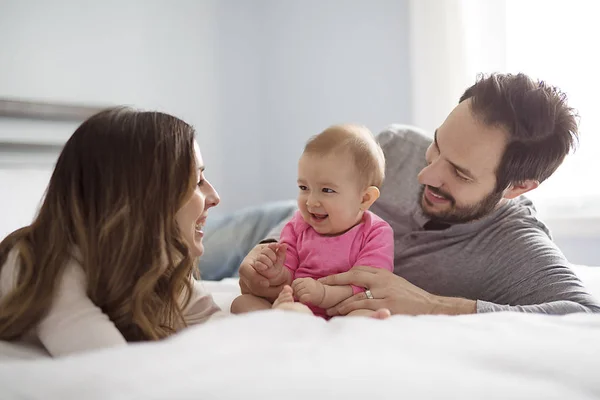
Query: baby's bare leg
point(247, 303)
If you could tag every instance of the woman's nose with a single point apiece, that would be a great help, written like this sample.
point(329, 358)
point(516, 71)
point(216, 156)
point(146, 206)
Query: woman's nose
point(213, 198)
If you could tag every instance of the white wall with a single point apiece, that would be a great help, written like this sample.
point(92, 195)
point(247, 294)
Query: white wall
point(256, 78)
point(145, 54)
point(306, 65)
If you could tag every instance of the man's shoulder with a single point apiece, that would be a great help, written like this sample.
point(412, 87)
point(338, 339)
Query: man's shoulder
point(516, 231)
point(404, 147)
point(521, 214)
point(405, 136)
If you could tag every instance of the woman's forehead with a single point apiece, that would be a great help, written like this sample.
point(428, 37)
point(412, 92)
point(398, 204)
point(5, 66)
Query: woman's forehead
point(198, 155)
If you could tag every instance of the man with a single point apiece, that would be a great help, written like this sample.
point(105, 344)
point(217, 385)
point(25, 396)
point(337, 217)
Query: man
point(465, 239)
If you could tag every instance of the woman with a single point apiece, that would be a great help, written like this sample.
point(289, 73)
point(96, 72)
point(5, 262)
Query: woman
point(110, 256)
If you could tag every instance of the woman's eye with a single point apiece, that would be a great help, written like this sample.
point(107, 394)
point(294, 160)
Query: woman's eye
point(327, 190)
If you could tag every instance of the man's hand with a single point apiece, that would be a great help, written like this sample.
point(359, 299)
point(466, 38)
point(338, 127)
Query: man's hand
point(308, 291)
point(262, 272)
point(394, 293)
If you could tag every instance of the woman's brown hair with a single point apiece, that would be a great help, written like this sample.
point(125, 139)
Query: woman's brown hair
point(111, 205)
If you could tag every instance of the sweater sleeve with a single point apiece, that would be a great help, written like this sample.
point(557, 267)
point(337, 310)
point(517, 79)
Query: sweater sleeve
point(74, 323)
point(534, 276)
point(201, 307)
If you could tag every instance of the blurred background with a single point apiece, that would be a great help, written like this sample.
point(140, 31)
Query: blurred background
point(257, 78)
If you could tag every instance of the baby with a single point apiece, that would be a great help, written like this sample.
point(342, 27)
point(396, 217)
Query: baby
point(340, 174)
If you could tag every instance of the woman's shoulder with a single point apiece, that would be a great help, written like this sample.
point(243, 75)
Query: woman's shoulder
point(72, 280)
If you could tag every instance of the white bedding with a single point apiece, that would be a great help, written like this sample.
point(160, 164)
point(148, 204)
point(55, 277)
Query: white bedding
point(292, 356)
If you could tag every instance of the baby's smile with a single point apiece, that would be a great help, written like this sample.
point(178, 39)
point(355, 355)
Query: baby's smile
point(319, 217)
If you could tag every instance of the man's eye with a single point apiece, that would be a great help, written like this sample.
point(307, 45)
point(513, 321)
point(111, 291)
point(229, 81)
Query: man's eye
point(460, 176)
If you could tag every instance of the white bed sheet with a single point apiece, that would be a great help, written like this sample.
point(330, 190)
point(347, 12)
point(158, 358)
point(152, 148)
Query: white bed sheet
point(275, 355)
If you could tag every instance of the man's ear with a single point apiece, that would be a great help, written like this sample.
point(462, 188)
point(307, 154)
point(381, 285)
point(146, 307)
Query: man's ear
point(369, 196)
point(519, 188)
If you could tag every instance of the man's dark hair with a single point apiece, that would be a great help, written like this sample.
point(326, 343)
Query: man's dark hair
point(542, 128)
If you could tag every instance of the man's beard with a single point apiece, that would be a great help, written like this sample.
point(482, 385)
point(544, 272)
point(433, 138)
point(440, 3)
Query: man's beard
point(459, 215)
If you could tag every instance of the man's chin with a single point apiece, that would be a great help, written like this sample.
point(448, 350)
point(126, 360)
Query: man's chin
point(432, 210)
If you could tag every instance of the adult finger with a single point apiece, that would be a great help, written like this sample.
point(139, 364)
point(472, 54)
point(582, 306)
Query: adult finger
point(352, 299)
point(257, 287)
point(368, 304)
point(262, 263)
point(354, 277)
point(382, 313)
point(267, 268)
point(371, 270)
point(269, 252)
point(251, 277)
point(244, 289)
point(272, 292)
point(261, 267)
point(281, 251)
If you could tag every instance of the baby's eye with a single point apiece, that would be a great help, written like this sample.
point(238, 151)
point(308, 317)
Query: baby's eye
point(327, 190)
point(302, 187)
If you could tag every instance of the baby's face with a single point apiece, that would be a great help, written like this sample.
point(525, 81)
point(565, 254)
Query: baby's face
point(329, 195)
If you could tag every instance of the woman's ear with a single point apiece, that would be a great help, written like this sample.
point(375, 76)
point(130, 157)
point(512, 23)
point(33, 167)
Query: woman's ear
point(369, 196)
point(517, 189)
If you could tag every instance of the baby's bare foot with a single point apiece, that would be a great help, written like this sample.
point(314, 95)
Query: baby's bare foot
point(286, 296)
point(285, 301)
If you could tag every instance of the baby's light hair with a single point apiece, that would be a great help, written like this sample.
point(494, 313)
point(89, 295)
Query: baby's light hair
point(358, 142)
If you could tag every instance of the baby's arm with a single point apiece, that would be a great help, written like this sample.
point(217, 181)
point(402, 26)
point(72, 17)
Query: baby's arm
point(335, 294)
point(310, 291)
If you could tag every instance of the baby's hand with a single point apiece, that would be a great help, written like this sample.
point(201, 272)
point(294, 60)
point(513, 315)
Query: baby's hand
point(268, 258)
point(308, 291)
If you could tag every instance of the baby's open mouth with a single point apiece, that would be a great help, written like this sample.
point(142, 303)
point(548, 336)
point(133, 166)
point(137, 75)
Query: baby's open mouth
point(319, 217)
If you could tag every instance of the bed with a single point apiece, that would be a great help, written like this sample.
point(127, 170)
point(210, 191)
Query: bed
point(275, 355)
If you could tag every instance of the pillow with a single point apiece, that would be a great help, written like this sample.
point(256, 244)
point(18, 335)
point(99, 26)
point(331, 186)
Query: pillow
point(229, 237)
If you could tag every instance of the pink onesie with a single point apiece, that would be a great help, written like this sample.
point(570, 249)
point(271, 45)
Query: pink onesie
point(309, 254)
